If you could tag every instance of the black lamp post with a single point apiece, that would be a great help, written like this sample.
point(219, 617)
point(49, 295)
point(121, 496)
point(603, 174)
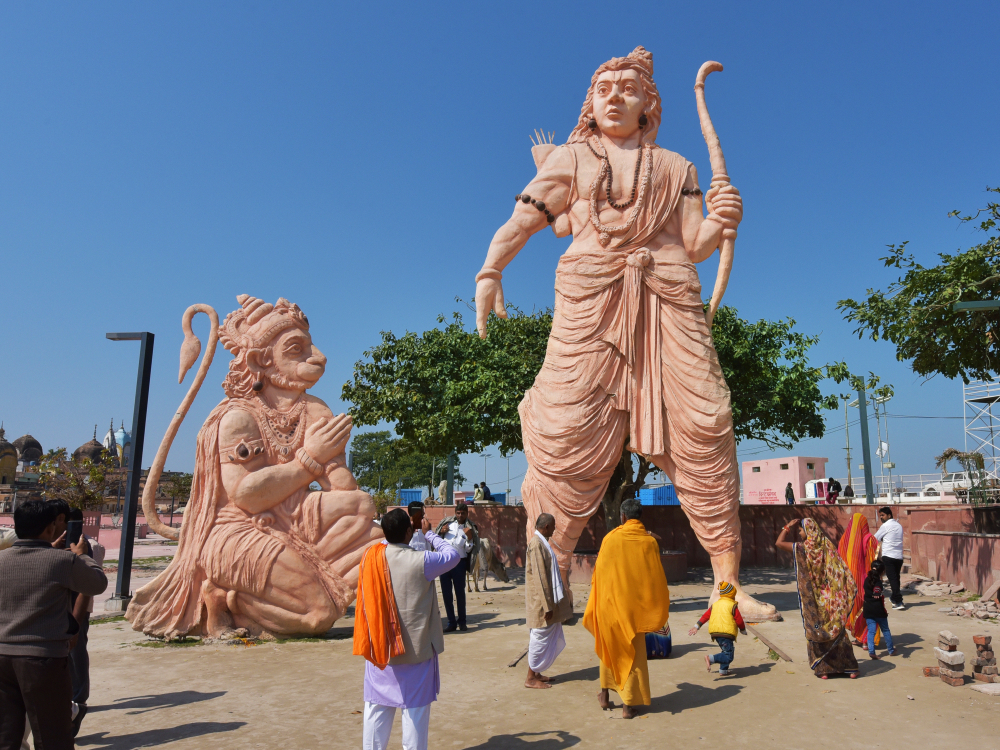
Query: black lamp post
point(123, 592)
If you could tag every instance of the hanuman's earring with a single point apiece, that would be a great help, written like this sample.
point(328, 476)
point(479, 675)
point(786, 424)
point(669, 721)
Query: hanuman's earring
point(592, 124)
point(258, 385)
point(642, 120)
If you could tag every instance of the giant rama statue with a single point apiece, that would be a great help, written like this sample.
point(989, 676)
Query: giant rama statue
point(259, 548)
point(630, 357)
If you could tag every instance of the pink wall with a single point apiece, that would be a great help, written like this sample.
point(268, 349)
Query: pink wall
point(767, 486)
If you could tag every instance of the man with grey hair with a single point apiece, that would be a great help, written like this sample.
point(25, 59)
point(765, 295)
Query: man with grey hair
point(546, 603)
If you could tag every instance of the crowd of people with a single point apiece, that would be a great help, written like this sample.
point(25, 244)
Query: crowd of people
point(51, 578)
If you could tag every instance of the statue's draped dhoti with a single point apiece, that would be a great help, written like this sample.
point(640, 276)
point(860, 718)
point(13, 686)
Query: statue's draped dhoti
point(631, 355)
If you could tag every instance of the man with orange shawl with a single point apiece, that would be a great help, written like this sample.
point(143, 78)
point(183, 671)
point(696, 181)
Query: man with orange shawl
point(397, 628)
point(628, 598)
point(858, 549)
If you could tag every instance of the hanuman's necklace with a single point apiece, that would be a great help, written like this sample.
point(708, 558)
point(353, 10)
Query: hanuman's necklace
point(605, 175)
point(281, 429)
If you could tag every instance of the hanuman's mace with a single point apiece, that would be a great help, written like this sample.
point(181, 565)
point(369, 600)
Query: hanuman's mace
point(719, 178)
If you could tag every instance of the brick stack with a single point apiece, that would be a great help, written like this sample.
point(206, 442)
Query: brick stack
point(951, 661)
point(984, 666)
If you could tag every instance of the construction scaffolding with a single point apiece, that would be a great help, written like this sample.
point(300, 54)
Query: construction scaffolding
point(981, 425)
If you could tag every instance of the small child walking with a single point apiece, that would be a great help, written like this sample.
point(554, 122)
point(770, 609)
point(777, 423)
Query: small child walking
point(874, 608)
point(723, 620)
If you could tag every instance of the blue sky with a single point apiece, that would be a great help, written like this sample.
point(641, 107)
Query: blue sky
point(357, 159)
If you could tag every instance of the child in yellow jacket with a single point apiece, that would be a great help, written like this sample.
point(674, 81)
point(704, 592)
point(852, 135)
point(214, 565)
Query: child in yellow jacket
point(723, 620)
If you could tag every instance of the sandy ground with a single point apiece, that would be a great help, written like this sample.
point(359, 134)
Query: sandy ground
point(308, 694)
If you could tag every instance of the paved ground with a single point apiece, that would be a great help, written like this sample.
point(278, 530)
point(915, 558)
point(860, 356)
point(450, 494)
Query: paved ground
point(308, 695)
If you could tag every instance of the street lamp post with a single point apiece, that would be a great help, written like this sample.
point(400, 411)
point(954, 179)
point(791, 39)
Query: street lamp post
point(485, 456)
point(123, 593)
point(885, 453)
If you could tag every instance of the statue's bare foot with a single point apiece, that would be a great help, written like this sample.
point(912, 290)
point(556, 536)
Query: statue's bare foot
point(628, 712)
point(218, 619)
point(756, 611)
point(602, 698)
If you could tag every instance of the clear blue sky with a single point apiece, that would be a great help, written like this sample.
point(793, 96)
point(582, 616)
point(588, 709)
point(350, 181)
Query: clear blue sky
point(358, 159)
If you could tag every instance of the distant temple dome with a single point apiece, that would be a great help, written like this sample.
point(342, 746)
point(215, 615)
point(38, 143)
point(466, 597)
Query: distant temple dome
point(8, 460)
point(90, 450)
point(28, 449)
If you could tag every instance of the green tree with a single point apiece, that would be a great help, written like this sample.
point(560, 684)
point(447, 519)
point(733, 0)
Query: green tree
point(915, 311)
point(178, 489)
point(383, 463)
point(447, 388)
point(81, 483)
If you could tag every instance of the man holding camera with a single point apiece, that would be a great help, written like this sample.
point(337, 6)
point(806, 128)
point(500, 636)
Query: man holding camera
point(36, 625)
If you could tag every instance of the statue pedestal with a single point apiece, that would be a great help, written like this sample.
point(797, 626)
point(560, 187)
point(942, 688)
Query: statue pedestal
point(117, 603)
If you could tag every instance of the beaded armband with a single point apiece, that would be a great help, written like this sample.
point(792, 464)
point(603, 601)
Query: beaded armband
point(525, 198)
point(312, 466)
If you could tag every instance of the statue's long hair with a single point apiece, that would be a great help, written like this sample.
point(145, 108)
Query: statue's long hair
point(641, 62)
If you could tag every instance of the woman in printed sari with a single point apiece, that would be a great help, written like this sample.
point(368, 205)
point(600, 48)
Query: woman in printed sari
point(858, 549)
point(827, 593)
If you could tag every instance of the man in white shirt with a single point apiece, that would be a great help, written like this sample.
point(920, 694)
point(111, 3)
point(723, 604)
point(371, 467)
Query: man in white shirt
point(461, 534)
point(419, 541)
point(890, 537)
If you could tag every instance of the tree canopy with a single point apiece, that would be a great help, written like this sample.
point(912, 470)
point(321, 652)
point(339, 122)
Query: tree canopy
point(447, 389)
point(915, 311)
point(384, 463)
point(81, 483)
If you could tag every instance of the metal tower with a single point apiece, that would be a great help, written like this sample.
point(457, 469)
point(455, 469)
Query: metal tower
point(981, 424)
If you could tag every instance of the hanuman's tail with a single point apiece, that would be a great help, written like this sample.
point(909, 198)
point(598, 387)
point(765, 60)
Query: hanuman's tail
point(189, 353)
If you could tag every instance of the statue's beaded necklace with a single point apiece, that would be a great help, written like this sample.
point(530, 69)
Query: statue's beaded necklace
point(604, 175)
point(281, 430)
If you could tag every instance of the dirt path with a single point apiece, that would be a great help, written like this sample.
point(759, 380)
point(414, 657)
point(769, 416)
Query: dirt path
point(308, 695)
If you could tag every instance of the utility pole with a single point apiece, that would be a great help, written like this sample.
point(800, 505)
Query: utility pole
point(847, 431)
point(862, 404)
point(451, 478)
point(123, 592)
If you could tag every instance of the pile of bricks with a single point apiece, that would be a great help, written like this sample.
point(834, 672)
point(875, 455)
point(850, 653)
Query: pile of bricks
point(984, 666)
point(951, 661)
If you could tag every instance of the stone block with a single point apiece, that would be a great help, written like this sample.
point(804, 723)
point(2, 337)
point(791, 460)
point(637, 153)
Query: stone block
point(946, 646)
point(985, 655)
point(953, 681)
point(945, 672)
point(950, 657)
point(982, 677)
point(932, 671)
point(988, 689)
point(946, 636)
point(982, 640)
point(992, 669)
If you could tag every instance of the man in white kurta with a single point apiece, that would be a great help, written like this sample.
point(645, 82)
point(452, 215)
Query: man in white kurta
point(546, 603)
point(412, 680)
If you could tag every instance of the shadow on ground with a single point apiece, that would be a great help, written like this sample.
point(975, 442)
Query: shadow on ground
point(144, 703)
point(526, 740)
point(156, 737)
point(688, 696)
point(588, 674)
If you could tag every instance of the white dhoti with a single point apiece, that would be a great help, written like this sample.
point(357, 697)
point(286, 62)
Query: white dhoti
point(544, 645)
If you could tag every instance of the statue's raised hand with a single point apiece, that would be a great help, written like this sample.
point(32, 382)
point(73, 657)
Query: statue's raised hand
point(489, 296)
point(327, 437)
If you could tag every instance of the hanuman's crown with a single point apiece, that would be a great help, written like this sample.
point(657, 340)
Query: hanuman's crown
point(257, 322)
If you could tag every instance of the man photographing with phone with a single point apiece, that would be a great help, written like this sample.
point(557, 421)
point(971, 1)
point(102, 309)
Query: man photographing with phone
point(36, 624)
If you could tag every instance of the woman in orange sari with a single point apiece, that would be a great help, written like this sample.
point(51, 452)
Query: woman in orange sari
point(858, 549)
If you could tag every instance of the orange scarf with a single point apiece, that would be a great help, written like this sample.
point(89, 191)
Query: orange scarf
point(378, 635)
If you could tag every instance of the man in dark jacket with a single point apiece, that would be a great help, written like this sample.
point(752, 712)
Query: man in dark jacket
point(36, 626)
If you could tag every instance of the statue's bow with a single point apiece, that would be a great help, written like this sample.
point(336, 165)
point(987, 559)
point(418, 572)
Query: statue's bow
point(719, 178)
